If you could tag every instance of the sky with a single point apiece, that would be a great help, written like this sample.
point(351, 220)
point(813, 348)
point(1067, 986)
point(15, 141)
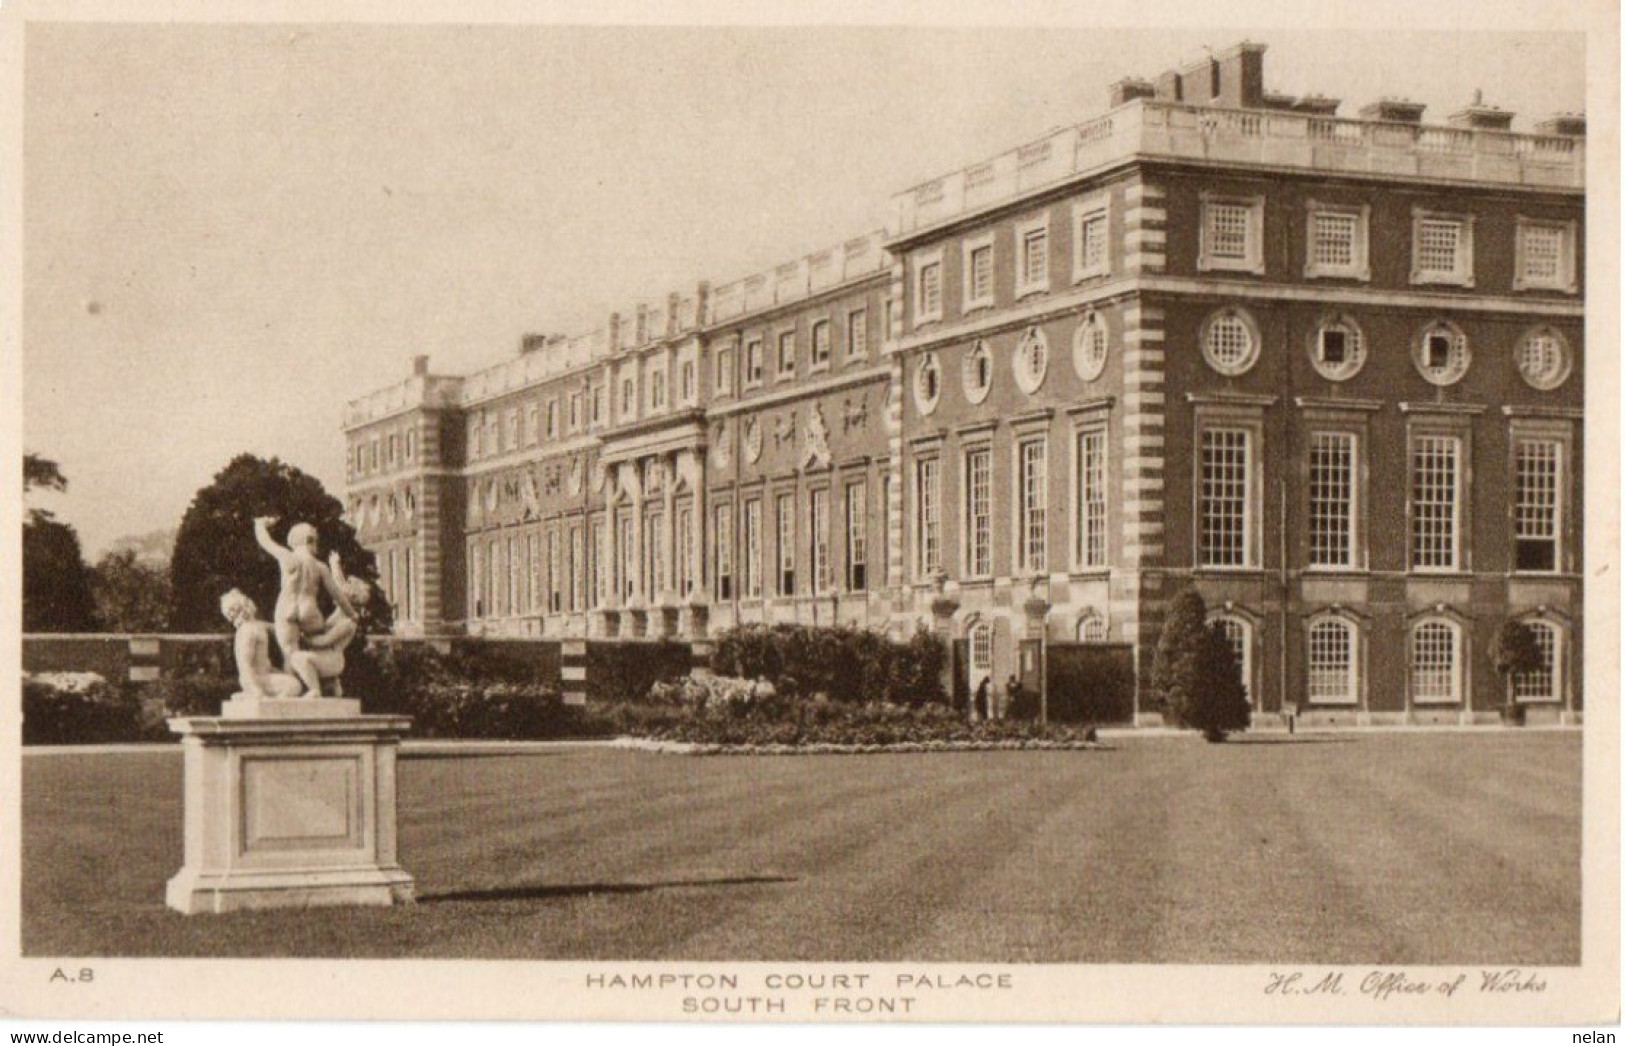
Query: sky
point(231, 230)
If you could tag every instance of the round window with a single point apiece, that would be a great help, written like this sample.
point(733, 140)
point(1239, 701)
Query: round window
point(1441, 354)
point(1543, 359)
point(1031, 360)
point(978, 374)
point(927, 383)
point(1337, 348)
point(1230, 342)
point(1089, 347)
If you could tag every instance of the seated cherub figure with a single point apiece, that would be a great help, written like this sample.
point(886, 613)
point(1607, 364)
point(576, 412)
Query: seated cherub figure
point(252, 647)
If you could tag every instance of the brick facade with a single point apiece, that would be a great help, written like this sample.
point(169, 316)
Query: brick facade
point(1327, 371)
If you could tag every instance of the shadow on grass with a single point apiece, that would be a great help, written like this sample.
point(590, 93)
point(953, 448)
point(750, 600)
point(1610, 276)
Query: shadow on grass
point(484, 753)
point(538, 893)
point(1290, 739)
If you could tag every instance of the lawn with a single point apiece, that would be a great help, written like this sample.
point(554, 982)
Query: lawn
point(1375, 848)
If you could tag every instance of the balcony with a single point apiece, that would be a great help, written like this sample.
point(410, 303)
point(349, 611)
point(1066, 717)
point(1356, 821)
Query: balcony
point(1171, 131)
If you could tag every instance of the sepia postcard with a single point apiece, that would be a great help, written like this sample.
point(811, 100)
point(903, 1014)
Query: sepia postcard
point(722, 512)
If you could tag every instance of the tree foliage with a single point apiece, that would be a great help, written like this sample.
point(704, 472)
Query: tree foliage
point(130, 595)
point(1195, 673)
point(1516, 650)
point(56, 583)
point(215, 550)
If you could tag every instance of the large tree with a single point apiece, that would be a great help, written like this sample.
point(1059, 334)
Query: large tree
point(215, 550)
point(56, 583)
point(131, 596)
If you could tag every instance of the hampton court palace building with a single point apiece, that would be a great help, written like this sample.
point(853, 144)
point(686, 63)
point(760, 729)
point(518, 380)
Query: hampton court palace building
point(1328, 371)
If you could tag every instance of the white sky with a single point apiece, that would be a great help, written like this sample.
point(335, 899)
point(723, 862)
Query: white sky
point(231, 230)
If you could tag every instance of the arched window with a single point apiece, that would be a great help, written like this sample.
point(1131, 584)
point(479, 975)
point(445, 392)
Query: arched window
point(1436, 662)
point(1545, 683)
point(1092, 629)
point(981, 650)
point(1239, 631)
point(1333, 649)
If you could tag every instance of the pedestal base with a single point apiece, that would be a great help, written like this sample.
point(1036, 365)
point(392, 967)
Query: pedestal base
point(289, 807)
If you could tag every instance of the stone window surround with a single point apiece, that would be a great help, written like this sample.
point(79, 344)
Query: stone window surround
point(1463, 274)
point(1026, 283)
point(1568, 276)
point(920, 263)
point(1245, 416)
point(1084, 210)
point(1459, 428)
point(1355, 697)
point(1560, 432)
point(969, 301)
point(1360, 268)
point(1253, 262)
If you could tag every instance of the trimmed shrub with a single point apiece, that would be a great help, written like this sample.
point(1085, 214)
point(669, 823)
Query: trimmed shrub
point(624, 673)
point(1090, 683)
point(190, 696)
point(1195, 674)
point(843, 663)
point(77, 708)
point(504, 711)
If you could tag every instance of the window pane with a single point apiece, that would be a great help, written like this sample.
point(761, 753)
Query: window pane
point(1434, 470)
point(978, 513)
point(1331, 662)
point(1331, 500)
point(1335, 238)
point(1033, 506)
point(1092, 499)
point(1535, 513)
point(1433, 663)
point(1543, 254)
point(1224, 497)
point(1438, 246)
point(1541, 684)
point(1227, 231)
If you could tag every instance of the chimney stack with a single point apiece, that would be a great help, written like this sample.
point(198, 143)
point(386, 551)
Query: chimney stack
point(1393, 110)
point(1481, 117)
point(614, 332)
point(420, 366)
point(702, 304)
point(1128, 89)
point(1571, 124)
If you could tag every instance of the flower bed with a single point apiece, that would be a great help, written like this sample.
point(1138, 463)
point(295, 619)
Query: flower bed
point(721, 712)
point(825, 748)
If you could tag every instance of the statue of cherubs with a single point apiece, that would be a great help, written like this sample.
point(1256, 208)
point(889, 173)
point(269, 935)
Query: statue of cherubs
point(303, 577)
point(323, 655)
point(252, 647)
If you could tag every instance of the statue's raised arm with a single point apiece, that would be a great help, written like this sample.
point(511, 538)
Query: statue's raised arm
point(262, 534)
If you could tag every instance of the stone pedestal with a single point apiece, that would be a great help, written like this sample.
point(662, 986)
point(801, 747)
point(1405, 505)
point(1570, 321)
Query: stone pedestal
point(289, 804)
